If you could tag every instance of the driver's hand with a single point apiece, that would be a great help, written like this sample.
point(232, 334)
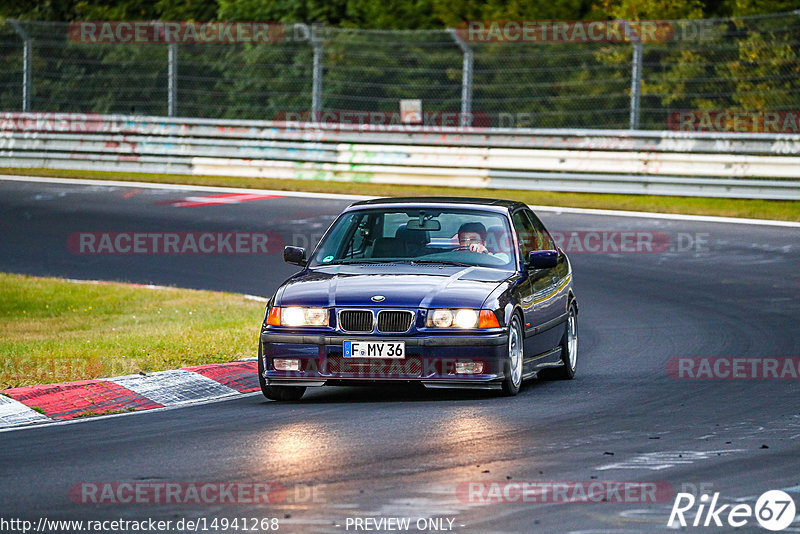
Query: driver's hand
point(478, 247)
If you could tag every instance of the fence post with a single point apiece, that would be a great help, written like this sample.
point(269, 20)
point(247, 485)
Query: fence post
point(172, 80)
point(636, 84)
point(466, 79)
point(636, 72)
point(27, 57)
point(316, 87)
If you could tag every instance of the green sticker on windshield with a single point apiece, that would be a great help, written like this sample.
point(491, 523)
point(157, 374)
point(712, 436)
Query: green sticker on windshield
point(326, 259)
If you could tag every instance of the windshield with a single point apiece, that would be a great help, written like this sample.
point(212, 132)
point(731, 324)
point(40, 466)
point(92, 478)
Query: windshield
point(419, 235)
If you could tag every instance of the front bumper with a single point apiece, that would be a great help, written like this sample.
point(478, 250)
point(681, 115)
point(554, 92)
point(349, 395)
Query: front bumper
point(429, 359)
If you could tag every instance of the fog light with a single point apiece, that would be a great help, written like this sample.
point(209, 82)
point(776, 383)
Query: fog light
point(284, 364)
point(469, 368)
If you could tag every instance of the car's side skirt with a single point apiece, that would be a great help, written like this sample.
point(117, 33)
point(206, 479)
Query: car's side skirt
point(540, 365)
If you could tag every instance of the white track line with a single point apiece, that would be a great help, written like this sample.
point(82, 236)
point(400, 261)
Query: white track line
point(672, 216)
point(178, 187)
point(336, 196)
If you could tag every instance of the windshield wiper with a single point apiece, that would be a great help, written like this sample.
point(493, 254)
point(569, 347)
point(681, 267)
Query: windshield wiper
point(346, 261)
point(443, 262)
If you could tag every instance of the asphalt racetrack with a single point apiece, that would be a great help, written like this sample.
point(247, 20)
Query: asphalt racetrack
point(712, 290)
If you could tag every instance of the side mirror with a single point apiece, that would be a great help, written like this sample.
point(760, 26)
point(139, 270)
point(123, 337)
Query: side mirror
point(542, 259)
point(295, 255)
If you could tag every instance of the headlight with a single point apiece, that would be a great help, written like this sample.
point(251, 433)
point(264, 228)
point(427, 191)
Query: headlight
point(440, 318)
point(297, 316)
point(453, 318)
point(466, 319)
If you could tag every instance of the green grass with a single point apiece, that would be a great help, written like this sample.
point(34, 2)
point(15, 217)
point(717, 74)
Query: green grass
point(52, 330)
point(92, 413)
point(727, 207)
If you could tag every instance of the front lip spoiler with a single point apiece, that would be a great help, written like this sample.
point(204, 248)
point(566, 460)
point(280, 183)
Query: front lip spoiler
point(435, 340)
point(430, 384)
point(301, 382)
point(460, 384)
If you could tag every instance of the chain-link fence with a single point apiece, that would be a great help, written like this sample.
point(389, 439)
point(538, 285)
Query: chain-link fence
point(748, 64)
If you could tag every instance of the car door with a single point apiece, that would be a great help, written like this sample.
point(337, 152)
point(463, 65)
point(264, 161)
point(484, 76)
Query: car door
point(549, 288)
point(525, 231)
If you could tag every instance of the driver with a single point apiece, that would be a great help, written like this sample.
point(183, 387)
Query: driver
point(472, 237)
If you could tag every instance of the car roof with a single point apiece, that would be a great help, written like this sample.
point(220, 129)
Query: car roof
point(416, 201)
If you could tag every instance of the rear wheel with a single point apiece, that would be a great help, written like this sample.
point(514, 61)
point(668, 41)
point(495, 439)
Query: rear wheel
point(513, 364)
point(569, 349)
point(278, 393)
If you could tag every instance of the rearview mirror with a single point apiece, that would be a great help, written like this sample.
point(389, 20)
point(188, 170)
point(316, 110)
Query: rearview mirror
point(427, 225)
point(542, 259)
point(295, 255)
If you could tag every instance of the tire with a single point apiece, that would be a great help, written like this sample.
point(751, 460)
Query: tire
point(569, 349)
point(277, 393)
point(514, 358)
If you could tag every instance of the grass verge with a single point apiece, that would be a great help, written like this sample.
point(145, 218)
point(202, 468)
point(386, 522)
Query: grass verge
point(52, 330)
point(787, 210)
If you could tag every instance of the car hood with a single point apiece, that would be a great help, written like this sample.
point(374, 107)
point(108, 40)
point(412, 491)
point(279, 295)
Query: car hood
point(402, 286)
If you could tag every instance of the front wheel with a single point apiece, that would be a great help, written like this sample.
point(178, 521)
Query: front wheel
point(513, 363)
point(277, 393)
point(569, 349)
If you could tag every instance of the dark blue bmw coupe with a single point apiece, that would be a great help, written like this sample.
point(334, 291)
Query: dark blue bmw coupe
point(448, 292)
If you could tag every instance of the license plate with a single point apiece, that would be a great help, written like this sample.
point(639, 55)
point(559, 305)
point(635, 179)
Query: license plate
point(374, 349)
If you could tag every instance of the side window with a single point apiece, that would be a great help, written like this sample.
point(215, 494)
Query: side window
point(526, 234)
point(543, 240)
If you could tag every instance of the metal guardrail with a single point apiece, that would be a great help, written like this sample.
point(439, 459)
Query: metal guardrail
point(602, 161)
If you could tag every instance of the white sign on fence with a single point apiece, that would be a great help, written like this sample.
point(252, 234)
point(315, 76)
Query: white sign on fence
point(411, 111)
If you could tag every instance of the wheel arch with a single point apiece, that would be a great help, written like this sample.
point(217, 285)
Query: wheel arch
point(571, 299)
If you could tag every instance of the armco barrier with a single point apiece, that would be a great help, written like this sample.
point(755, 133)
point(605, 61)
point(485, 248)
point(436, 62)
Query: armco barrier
point(606, 161)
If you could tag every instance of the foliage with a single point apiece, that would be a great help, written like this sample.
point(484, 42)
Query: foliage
point(740, 63)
